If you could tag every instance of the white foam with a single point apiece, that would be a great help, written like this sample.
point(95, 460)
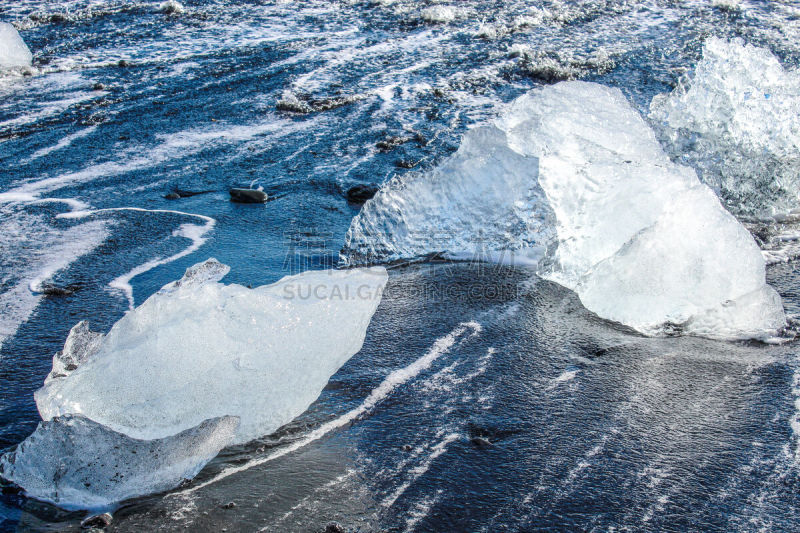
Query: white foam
point(61, 144)
point(436, 451)
point(47, 251)
point(394, 380)
point(197, 234)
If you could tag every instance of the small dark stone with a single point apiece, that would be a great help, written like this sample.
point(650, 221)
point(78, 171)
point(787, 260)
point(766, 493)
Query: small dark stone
point(177, 194)
point(390, 143)
point(54, 290)
point(361, 193)
point(480, 442)
point(403, 163)
point(58, 17)
point(229, 505)
point(98, 521)
point(98, 87)
point(248, 196)
point(335, 527)
point(122, 63)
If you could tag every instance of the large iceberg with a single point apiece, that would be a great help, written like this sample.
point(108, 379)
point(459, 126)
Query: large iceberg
point(14, 53)
point(76, 463)
point(639, 238)
point(199, 349)
point(737, 120)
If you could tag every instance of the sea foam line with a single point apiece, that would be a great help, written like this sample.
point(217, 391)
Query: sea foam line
point(395, 379)
point(197, 234)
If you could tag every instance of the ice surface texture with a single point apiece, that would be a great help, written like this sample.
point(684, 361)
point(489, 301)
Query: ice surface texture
point(13, 50)
point(74, 462)
point(198, 349)
point(735, 119)
point(639, 238)
point(479, 202)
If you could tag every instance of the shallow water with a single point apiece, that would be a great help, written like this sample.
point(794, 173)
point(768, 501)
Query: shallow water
point(585, 425)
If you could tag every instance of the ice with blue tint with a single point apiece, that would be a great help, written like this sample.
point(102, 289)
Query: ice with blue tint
point(199, 349)
point(76, 463)
point(735, 119)
point(14, 53)
point(573, 169)
point(640, 239)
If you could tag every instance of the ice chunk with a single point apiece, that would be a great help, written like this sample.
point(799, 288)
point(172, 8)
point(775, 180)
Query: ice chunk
point(639, 238)
point(199, 349)
point(209, 271)
point(13, 50)
point(737, 120)
point(481, 201)
point(440, 14)
point(81, 344)
point(76, 463)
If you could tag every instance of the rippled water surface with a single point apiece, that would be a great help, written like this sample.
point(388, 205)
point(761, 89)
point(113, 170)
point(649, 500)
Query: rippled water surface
point(519, 410)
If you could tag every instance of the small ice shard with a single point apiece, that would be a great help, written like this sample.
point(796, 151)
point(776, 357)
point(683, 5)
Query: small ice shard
point(14, 53)
point(80, 345)
point(171, 7)
point(736, 119)
point(481, 202)
point(76, 463)
point(199, 349)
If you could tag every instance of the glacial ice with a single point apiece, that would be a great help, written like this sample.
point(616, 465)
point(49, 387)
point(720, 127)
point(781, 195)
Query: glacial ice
point(639, 238)
point(199, 349)
point(736, 119)
point(76, 463)
point(13, 50)
point(480, 202)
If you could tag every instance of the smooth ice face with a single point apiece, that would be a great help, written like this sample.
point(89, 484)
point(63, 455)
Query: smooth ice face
point(198, 349)
point(640, 239)
point(13, 50)
point(737, 120)
point(481, 202)
point(76, 463)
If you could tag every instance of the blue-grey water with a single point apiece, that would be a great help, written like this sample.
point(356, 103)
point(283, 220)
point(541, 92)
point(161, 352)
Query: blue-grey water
point(539, 417)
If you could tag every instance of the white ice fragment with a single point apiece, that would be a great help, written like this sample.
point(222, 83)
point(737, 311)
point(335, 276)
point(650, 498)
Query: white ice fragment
point(439, 14)
point(480, 202)
point(76, 463)
point(640, 239)
point(727, 5)
point(200, 349)
point(736, 119)
point(81, 344)
point(209, 271)
point(14, 53)
point(171, 7)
